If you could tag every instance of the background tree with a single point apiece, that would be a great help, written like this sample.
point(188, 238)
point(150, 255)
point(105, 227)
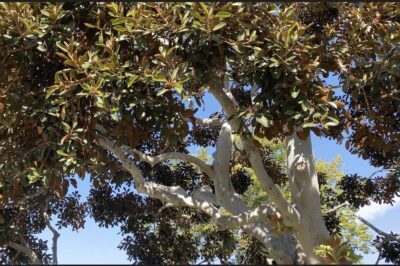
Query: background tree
point(111, 90)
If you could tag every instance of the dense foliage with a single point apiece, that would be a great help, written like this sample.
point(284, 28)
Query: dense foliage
point(141, 70)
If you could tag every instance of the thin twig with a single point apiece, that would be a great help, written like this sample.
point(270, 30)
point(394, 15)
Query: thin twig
point(379, 256)
point(366, 101)
point(56, 234)
point(337, 208)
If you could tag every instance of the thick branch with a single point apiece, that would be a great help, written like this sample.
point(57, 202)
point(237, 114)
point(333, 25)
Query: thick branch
point(30, 196)
point(127, 164)
point(304, 187)
point(153, 160)
point(231, 201)
point(171, 194)
point(230, 108)
point(203, 122)
point(224, 190)
point(33, 258)
point(260, 214)
point(179, 197)
point(303, 181)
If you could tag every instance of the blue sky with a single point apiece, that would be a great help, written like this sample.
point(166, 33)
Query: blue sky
point(94, 245)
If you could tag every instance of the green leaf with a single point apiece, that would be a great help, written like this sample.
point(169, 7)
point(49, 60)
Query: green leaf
point(241, 36)
point(263, 121)
point(309, 125)
point(178, 86)
point(115, 116)
point(219, 26)
point(132, 80)
point(41, 48)
point(99, 82)
point(236, 48)
point(331, 124)
point(118, 21)
point(161, 92)
point(295, 93)
point(159, 78)
point(50, 91)
point(66, 126)
point(86, 87)
point(224, 14)
point(204, 7)
point(62, 153)
point(333, 119)
point(290, 58)
point(296, 116)
point(332, 104)
point(90, 25)
point(45, 12)
point(304, 106)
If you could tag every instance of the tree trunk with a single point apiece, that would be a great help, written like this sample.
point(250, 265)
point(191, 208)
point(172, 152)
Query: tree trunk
point(303, 181)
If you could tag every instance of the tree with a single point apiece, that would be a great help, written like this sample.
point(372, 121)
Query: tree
point(112, 90)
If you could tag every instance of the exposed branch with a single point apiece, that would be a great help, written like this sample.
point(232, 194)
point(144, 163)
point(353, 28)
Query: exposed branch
point(376, 229)
point(56, 234)
point(212, 122)
point(33, 258)
point(30, 196)
point(224, 190)
point(179, 197)
point(231, 201)
point(126, 163)
point(378, 171)
point(379, 256)
point(154, 160)
point(205, 193)
point(336, 208)
point(230, 108)
point(170, 194)
point(260, 214)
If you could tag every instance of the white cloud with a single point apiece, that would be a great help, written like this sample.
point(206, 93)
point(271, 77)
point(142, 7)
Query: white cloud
point(375, 210)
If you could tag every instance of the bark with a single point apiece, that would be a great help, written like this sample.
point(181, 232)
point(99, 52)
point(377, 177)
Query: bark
point(377, 230)
point(291, 215)
point(212, 122)
point(303, 181)
point(231, 201)
point(305, 219)
point(33, 258)
point(56, 234)
point(203, 199)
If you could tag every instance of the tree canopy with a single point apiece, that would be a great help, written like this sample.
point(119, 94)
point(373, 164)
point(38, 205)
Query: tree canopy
point(112, 91)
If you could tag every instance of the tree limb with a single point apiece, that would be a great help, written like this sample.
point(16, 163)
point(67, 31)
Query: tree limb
point(171, 194)
point(30, 196)
point(56, 234)
point(259, 214)
point(336, 208)
point(211, 122)
point(179, 197)
point(231, 201)
point(224, 191)
point(230, 108)
point(152, 160)
point(33, 258)
point(376, 229)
